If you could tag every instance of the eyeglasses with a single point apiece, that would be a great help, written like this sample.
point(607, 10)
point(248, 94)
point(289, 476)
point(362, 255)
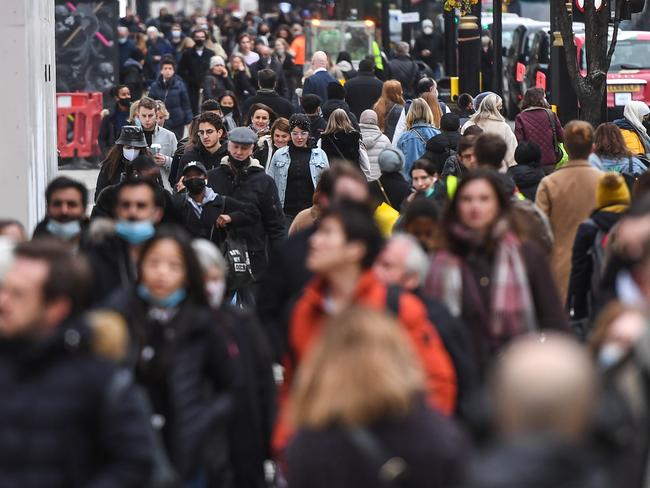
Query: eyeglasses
point(299, 134)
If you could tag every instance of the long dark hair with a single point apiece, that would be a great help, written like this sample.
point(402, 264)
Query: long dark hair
point(195, 287)
point(236, 113)
point(115, 162)
point(534, 97)
point(260, 106)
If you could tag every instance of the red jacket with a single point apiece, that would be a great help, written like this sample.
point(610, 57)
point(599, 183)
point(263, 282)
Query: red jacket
point(309, 317)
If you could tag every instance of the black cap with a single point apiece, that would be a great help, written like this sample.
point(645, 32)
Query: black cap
point(195, 165)
point(133, 136)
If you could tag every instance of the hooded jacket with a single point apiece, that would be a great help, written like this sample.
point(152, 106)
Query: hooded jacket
point(439, 148)
point(526, 178)
point(374, 141)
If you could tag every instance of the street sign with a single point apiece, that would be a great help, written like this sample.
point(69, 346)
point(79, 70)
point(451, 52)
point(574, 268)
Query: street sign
point(581, 4)
point(540, 80)
point(410, 17)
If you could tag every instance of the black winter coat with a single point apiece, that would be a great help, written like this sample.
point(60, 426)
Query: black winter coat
point(431, 447)
point(253, 185)
point(271, 98)
point(105, 179)
point(527, 179)
point(132, 76)
point(192, 67)
point(440, 147)
point(60, 425)
point(406, 71)
point(177, 101)
point(362, 92)
point(435, 43)
point(213, 86)
point(329, 106)
point(244, 86)
point(197, 152)
point(581, 297)
point(342, 145)
point(275, 66)
point(396, 188)
point(107, 134)
point(188, 376)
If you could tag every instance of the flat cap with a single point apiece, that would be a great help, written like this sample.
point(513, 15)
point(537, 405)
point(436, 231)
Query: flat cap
point(242, 135)
point(195, 165)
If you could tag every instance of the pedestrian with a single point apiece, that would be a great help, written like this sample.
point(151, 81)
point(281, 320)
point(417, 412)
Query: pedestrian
point(296, 169)
point(244, 43)
point(363, 91)
point(65, 217)
point(162, 142)
point(217, 80)
point(241, 177)
point(443, 146)
point(341, 141)
point(488, 117)
point(194, 65)
point(404, 69)
point(343, 70)
point(116, 119)
point(424, 86)
point(419, 129)
point(230, 109)
point(421, 220)
point(317, 83)
point(157, 48)
point(131, 74)
point(334, 439)
point(336, 99)
point(179, 41)
point(311, 104)
point(162, 114)
point(610, 153)
point(426, 182)
point(128, 146)
point(267, 80)
point(537, 123)
point(393, 184)
point(499, 285)
point(125, 45)
point(111, 247)
point(430, 48)
point(460, 163)
point(176, 352)
point(292, 73)
point(568, 196)
point(588, 252)
point(206, 148)
point(268, 62)
point(241, 75)
point(53, 366)
point(527, 173)
point(307, 218)
point(633, 129)
point(259, 119)
point(344, 278)
point(170, 89)
point(389, 107)
point(298, 44)
point(277, 139)
point(465, 104)
point(373, 140)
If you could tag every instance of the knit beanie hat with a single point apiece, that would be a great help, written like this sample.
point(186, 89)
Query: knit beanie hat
point(301, 121)
point(390, 160)
point(368, 117)
point(216, 61)
point(528, 154)
point(450, 122)
point(612, 190)
point(335, 91)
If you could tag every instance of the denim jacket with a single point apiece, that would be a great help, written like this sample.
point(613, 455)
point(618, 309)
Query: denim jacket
point(413, 144)
point(619, 165)
point(279, 168)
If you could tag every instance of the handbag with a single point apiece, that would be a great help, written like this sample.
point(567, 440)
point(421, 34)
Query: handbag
point(557, 151)
point(235, 251)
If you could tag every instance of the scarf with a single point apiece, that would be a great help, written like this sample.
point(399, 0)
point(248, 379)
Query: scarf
point(511, 311)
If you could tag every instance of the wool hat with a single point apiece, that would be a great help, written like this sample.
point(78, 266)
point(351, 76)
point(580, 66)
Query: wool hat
point(390, 160)
point(301, 121)
point(335, 91)
point(369, 117)
point(216, 61)
point(450, 122)
point(612, 190)
point(528, 154)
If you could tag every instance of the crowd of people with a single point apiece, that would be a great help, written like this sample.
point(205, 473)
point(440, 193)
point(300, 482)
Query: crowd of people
point(328, 279)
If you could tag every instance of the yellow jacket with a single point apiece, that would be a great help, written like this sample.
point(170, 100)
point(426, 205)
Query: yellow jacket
point(633, 142)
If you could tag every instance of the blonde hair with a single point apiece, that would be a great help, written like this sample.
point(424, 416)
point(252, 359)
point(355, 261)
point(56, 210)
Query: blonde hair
point(243, 60)
point(338, 121)
point(391, 94)
point(360, 370)
point(418, 112)
point(133, 111)
point(432, 100)
point(160, 108)
point(488, 109)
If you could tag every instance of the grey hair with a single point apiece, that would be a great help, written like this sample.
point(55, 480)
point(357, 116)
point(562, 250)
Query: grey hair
point(417, 261)
point(402, 48)
point(209, 255)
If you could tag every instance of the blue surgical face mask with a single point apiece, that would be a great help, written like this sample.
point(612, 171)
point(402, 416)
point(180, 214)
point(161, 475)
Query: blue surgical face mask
point(170, 301)
point(135, 232)
point(610, 355)
point(64, 230)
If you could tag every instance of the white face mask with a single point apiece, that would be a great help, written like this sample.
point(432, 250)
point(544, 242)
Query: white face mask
point(427, 30)
point(130, 154)
point(215, 290)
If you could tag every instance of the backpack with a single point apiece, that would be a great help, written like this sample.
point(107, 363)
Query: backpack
point(629, 175)
point(597, 254)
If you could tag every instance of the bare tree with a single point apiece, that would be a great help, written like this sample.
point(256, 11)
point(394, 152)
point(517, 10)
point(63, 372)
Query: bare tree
point(590, 88)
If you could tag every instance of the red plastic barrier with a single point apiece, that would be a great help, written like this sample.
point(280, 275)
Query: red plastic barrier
point(78, 117)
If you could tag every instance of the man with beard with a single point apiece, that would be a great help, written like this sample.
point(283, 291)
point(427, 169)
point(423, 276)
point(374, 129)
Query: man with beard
point(66, 211)
point(244, 178)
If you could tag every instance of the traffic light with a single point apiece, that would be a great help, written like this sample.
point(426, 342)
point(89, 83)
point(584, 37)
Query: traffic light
point(630, 7)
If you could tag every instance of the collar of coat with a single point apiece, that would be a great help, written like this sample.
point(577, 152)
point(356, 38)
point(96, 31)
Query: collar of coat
point(253, 164)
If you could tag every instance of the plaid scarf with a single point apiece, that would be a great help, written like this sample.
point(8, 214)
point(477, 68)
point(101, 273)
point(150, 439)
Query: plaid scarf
point(511, 312)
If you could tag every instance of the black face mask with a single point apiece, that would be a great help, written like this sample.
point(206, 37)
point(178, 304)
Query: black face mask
point(195, 186)
point(226, 110)
point(237, 164)
point(199, 43)
point(124, 102)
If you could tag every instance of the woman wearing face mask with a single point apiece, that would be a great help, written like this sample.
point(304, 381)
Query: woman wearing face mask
point(268, 145)
point(260, 118)
point(179, 357)
point(487, 275)
point(230, 110)
point(252, 421)
point(296, 168)
point(128, 146)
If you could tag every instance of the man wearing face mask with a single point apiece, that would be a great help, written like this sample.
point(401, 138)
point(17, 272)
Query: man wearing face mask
point(116, 119)
point(125, 45)
point(202, 211)
point(241, 177)
point(194, 65)
point(112, 247)
point(178, 41)
point(66, 211)
point(430, 48)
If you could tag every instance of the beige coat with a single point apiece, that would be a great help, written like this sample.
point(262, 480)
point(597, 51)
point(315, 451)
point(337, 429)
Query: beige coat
point(502, 129)
point(567, 197)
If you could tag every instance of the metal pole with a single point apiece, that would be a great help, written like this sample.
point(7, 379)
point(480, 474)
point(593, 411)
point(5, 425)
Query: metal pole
point(406, 28)
point(385, 25)
point(497, 67)
point(451, 43)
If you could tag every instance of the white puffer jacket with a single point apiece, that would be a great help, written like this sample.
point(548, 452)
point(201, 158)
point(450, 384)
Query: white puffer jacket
point(375, 143)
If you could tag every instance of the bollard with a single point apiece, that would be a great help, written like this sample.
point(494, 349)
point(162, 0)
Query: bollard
point(454, 90)
point(469, 55)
